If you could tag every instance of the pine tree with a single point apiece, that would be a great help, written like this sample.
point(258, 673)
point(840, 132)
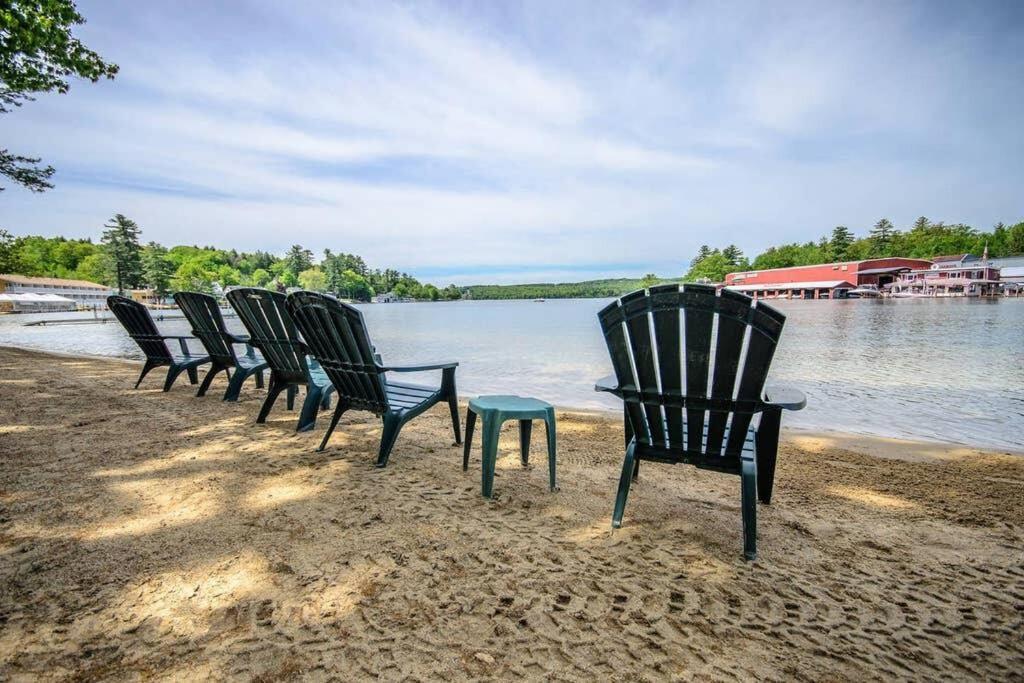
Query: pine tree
point(297, 260)
point(157, 269)
point(840, 243)
point(881, 238)
point(921, 224)
point(733, 254)
point(704, 252)
point(121, 240)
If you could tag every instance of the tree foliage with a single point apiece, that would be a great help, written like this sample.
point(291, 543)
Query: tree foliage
point(38, 53)
point(157, 269)
point(121, 241)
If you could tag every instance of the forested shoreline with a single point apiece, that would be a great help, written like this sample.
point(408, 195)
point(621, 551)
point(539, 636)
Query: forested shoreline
point(120, 260)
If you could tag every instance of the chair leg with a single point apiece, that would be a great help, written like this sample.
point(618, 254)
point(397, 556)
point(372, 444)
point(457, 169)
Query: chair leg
point(193, 375)
point(272, 393)
point(259, 379)
point(338, 411)
point(470, 424)
point(208, 380)
point(145, 371)
point(748, 495)
point(392, 425)
point(448, 384)
point(766, 446)
point(172, 374)
point(310, 408)
point(292, 392)
point(235, 382)
point(325, 402)
point(549, 425)
point(492, 429)
point(624, 481)
point(525, 430)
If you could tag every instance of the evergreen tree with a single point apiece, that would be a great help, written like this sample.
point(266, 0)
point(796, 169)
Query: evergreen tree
point(840, 243)
point(702, 254)
point(733, 254)
point(297, 260)
point(157, 269)
point(8, 255)
point(881, 238)
point(921, 224)
point(121, 240)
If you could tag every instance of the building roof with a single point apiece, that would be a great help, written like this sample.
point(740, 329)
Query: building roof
point(947, 259)
point(821, 284)
point(52, 281)
point(1012, 273)
point(36, 298)
point(882, 271)
point(1007, 262)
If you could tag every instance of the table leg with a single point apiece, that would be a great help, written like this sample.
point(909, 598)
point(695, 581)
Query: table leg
point(492, 428)
point(525, 429)
point(549, 424)
point(470, 423)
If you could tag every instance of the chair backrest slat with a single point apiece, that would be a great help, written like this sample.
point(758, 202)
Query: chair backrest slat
point(708, 421)
point(698, 304)
point(140, 327)
point(271, 330)
point(733, 310)
point(338, 338)
point(207, 322)
point(665, 305)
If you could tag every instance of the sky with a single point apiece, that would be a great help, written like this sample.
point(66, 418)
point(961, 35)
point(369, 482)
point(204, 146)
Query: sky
point(529, 141)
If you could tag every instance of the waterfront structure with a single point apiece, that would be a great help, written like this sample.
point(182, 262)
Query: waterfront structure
point(1011, 274)
point(822, 281)
point(385, 298)
point(35, 303)
point(957, 275)
point(85, 294)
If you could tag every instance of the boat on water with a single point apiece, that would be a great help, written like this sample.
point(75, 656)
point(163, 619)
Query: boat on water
point(864, 292)
point(539, 301)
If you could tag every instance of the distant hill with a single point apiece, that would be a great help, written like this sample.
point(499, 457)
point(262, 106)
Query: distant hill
point(565, 290)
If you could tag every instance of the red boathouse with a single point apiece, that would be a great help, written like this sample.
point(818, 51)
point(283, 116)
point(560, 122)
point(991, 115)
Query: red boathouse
point(823, 281)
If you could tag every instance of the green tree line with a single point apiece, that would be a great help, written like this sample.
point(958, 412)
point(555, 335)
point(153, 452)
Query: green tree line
point(922, 239)
point(121, 261)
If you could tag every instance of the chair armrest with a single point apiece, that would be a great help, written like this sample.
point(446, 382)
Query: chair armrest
point(609, 384)
point(419, 368)
point(236, 338)
point(786, 398)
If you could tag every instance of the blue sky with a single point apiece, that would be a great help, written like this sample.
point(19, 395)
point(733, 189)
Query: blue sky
point(516, 142)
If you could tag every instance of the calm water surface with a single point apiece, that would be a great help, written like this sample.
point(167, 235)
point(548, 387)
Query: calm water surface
point(948, 370)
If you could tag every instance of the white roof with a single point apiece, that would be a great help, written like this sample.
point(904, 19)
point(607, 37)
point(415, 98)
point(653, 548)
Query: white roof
point(1011, 272)
point(36, 298)
point(820, 284)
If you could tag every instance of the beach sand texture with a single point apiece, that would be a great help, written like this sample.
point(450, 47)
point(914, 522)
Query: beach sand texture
point(151, 535)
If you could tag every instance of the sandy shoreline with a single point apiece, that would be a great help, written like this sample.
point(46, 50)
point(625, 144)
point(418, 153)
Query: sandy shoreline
point(153, 535)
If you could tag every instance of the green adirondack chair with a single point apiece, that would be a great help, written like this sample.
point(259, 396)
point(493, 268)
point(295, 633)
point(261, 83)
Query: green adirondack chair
point(337, 337)
point(272, 331)
point(139, 325)
point(662, 378)
point(207, 322)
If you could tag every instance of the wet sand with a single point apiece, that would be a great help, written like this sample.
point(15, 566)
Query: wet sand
point(151, 535)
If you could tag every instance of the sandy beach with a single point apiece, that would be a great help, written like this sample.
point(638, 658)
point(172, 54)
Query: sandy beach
point(149, 535)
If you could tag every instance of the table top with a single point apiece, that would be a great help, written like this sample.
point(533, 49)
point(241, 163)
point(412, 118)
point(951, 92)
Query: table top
point(508, 404)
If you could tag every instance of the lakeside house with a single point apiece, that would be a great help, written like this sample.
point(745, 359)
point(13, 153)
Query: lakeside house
point(822, 281)
point(957, 275)
point(83, 293)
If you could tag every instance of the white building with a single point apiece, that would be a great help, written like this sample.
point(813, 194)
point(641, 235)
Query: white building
point(84, 294)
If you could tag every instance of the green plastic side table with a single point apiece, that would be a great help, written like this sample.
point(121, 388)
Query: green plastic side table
point(494, 410)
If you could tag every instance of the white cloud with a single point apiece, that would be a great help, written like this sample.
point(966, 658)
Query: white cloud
point(545, 136)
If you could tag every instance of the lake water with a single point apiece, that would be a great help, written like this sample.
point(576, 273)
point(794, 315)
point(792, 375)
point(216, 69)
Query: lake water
point(949, 370)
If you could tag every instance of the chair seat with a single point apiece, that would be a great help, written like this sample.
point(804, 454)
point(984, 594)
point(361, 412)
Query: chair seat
point(247, 363)
point(182, 359)
point(402, 396)
point(682, 452)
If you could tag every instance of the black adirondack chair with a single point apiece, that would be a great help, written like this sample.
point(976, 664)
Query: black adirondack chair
point(337, 336)
point(207, 323)
point(140, 327)
point(272, 331)
point(662, 377)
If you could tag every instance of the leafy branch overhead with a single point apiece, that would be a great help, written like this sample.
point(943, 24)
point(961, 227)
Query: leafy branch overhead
point(38, 54)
